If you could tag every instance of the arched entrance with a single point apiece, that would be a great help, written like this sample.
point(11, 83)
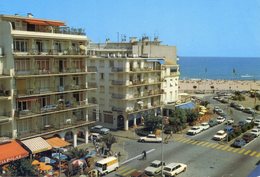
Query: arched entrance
point(69, 136)
point(120, 122)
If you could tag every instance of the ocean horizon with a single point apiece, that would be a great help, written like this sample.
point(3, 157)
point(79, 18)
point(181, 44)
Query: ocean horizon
point(220, 68)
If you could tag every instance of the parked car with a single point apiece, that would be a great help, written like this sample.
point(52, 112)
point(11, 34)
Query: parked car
point(230, 122)
point(239, 143)
point(249, 120)
point(249, 110)
point(240, 107)
point(204, 125)
point(220, 135)
point(212, 123)
point(233, 104)
point(242, 123)
point(154, 168)
point(255, 131)
point(173, 169)
point(216, 109)
point(257, 122)
point(194, 130)
point(229, 129)
point(220, 119)
point(99, 129)
point(152, 138)
point(248, 137)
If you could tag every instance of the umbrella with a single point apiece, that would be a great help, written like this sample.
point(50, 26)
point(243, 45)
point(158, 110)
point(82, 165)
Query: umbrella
point(201, 113)
point(90, 154)
point(79, 162)
point(35, 162)
point(59, 156)
point(204, 110)
point(47, 160)
point(46, 168)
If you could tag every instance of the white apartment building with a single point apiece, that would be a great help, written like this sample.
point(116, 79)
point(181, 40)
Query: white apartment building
point(43, 79)
point(133, 78)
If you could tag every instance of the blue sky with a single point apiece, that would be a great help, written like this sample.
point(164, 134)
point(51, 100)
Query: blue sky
point(197, 27)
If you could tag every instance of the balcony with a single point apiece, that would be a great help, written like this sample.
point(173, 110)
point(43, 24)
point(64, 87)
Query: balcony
point(4, 94)
point(117, 69)
point(50, 52)
point(92, 69)
point(118, 96)
point(118, 82)
point(118, 109)
point(52, 108)
point(145, 107)
point(145, 94)
point(5, 117)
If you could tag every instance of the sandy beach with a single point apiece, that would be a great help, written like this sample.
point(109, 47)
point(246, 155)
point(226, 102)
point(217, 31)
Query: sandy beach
point(217, 85)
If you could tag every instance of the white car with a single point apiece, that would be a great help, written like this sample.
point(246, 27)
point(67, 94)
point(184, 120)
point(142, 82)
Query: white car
point(150, 138)
point(257, 122)
point(230, 121)
point(220, 119)
point(255, 131)
point(249, 119)
point(173, 169)
point(220, 135)
point(154, 168)
point(194, 130)
point(205, 125)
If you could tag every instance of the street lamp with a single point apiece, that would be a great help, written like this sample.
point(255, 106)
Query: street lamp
point(58, 148)
point(165, 121)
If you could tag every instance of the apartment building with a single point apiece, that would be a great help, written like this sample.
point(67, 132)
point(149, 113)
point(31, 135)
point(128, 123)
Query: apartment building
point(133, 78)
point(43, 79)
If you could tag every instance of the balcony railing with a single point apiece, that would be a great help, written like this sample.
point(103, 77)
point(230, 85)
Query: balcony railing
point(117, 69)
point(5, 93)
point(92, 69)
point(75, 51)
point(52, 108)
point(117, 82)
point(118, 96)
point(118, 109)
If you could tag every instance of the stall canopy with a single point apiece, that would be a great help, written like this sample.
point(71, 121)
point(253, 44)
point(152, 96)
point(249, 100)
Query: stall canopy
point(36, 145)
point(57, 142)
point(188, 105)
point(11, 151)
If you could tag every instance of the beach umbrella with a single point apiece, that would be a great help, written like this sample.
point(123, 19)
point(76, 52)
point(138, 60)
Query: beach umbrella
point(79, 162)
point(59, 156)
point(47, 160)
point(46, 168)
point(35, 162)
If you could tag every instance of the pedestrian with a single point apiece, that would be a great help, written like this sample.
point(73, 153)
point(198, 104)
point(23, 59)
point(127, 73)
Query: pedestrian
point(144, 155)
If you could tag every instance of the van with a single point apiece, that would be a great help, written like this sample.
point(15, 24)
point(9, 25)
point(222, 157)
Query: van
point(107, 165)
point(229, 129)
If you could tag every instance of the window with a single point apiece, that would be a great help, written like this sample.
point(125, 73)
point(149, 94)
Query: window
point(78, 64)
point(43, 64)
point(22, 64)
point(101, 75)
point(57, 47)
point(23, 105)
point(20, 45)
point(39, 46)
point(45, 120)
point(23, 125)
point(76, 80)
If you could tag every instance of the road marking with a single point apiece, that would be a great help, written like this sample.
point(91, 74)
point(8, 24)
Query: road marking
point(195, 142)
point(224, 148)
point(140, 155)
point(258, 155)
point(186, 140)
point(235, 150)
point(201, 143)
point(128, 172)
point(242, 150)
point(205, 143)
point(179, 138)
point(253, 153)
point(123, 170)
point(215, 145)
point(190, 141)
point(247, 152)
point(182, 139)
point(230, 149)
point(220, 146)
point(210, 144)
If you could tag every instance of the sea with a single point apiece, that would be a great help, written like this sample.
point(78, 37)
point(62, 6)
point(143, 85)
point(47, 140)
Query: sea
point(219, 68)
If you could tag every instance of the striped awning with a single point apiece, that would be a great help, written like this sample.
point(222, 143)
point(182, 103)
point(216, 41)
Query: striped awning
point(37, 145)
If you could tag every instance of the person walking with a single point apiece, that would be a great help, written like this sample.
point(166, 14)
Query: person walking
point(144, 155)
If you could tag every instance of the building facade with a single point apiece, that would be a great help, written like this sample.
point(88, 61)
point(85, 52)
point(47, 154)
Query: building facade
point(43, 79)
point(133, 78)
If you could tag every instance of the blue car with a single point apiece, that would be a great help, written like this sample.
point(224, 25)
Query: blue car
point(239, 143)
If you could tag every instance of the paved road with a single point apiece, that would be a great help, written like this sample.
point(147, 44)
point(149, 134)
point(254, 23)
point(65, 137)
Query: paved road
point(204, 157)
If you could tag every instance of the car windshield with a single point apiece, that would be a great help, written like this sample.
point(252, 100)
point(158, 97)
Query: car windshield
point(195, 128)
point(167, 169)
point(254, 130)
point(220, 133)
point(154, 165)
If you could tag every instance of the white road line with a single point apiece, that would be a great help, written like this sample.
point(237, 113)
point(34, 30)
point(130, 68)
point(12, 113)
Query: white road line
point(140, 155)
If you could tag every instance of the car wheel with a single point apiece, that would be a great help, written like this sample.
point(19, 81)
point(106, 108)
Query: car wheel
point(184, 169)
point(142, 141)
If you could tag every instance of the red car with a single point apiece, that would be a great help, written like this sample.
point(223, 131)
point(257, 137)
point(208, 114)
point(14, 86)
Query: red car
point(138, 174)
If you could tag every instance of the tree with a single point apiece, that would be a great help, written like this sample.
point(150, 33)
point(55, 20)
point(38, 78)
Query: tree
point(152, 122)
point(192, 115)
point(109, 140)
point(22, 167)
point(76, 153)
point(178, 114)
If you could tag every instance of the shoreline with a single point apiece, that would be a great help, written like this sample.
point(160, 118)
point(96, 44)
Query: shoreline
point(212, 86)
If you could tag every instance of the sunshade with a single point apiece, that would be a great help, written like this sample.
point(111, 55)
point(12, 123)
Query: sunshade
point(36, 145)
point(59, 156)
point(47, 160)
